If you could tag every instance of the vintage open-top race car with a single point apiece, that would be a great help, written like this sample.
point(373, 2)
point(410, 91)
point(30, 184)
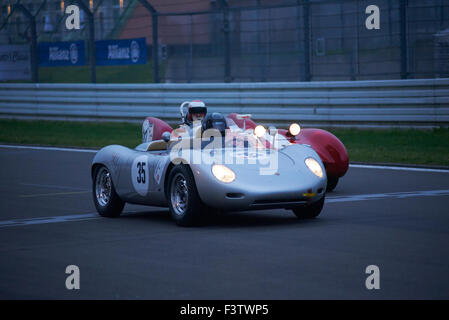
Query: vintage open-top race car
point(212, 164)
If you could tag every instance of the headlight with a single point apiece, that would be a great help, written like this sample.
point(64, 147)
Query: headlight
point(260, 131)
point(223, 173)
point(294, 129)
point(314, 166)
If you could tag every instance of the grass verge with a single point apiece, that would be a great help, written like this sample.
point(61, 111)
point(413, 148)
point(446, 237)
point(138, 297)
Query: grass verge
point(142, 73)
point(422, 147)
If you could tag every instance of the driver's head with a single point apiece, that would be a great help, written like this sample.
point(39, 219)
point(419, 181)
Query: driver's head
point(197, 110)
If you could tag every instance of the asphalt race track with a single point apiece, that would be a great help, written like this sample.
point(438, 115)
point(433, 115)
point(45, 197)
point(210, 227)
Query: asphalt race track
point(395, 219)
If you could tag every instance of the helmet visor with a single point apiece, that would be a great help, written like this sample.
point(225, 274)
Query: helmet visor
point(198, 110)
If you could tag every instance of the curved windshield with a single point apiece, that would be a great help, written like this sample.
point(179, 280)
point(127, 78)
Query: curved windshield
point(245, 141)
point(235, 140)
point(215, 140)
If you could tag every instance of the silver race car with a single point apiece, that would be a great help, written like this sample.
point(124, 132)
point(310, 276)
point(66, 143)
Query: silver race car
point(210, 165)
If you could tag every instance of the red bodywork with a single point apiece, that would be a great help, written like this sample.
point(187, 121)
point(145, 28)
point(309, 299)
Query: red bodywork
point(159, 127)
point(330, 149)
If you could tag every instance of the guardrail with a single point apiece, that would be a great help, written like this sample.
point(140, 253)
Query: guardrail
point(389, 103)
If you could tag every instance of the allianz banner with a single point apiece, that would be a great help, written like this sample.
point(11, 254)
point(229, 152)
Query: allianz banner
point(15, 62)
point(121, 52)
point(55, 54)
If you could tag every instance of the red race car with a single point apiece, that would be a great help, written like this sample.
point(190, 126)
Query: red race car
point(330, 149)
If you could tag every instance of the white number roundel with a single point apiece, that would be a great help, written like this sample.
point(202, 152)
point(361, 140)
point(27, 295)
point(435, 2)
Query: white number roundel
point(139, 175)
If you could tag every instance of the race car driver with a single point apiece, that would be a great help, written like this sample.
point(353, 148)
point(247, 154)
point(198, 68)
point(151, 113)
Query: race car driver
point(192, 120)
point(197, 111)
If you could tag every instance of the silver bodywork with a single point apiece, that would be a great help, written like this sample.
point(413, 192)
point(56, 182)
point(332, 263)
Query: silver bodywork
point(291, 185)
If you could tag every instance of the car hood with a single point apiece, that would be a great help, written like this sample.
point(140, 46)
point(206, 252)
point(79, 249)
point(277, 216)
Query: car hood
point(246, 162)
point(284, 175)
point(250, 159)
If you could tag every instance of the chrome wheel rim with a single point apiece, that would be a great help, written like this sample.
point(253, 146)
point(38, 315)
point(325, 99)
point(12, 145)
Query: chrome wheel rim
point(103, 186)
point(179, 194)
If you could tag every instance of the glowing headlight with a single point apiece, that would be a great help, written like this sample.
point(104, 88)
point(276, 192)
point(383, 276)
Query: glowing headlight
point(314, 166)
point(260, 131)
point(294, 129)
point(223, 173)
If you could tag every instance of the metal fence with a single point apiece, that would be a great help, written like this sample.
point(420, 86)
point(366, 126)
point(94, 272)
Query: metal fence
point(246, 40)
point(384, 103)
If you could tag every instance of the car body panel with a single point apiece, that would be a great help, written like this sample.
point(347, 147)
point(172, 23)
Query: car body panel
point(250, 189)
point(121, 162)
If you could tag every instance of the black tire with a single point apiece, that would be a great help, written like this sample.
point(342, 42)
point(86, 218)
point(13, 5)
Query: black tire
point(331, 183)
point(186, 207)
point(112, 206)
point(311, 211)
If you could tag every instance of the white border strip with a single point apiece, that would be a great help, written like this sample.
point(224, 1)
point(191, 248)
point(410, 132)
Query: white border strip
point(359, 166)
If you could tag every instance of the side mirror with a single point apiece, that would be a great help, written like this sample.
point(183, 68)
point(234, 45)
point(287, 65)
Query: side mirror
point(166, 136)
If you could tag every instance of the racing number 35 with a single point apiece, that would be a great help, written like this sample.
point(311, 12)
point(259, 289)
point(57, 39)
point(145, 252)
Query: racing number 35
point(141, 172)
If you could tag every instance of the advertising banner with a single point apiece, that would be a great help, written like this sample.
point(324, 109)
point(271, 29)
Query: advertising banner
point(56, 54)
point(121, 52)
point(15, 62)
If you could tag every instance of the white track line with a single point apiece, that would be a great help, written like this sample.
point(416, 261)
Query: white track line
point(367, 166)
point(45, 220)
point(350, 198)
point(52, 186)
point(361, 166)
point(48, 148)
point(392, 195)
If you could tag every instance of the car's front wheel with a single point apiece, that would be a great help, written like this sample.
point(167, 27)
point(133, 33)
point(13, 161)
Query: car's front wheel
point(310, 211)
point(106, 199)
point(331, 183)
point(184, 202)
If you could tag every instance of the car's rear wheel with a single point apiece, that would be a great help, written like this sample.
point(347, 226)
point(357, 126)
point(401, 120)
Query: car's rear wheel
point(310, 211)
point(331, 183)
point(184, 202)
point(106, 200)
